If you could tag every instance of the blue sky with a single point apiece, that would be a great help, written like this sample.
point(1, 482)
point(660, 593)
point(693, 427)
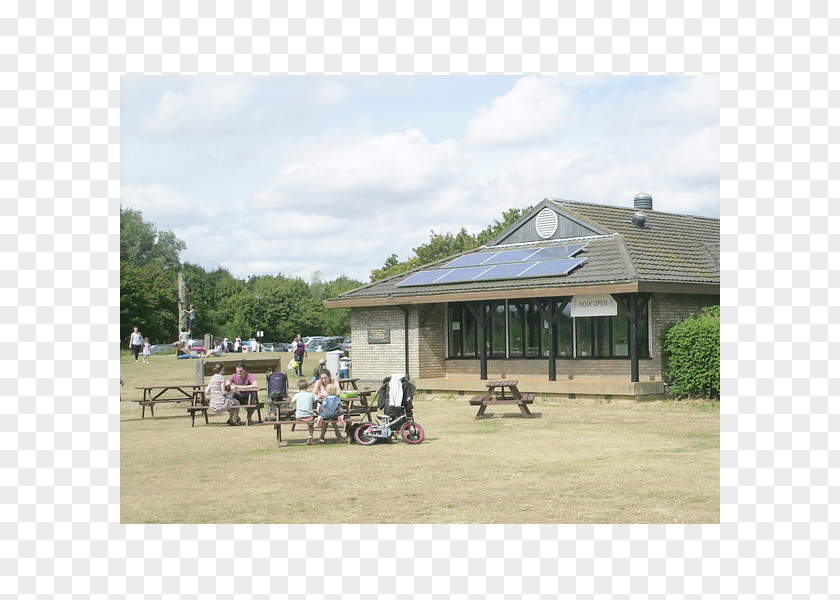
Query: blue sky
point(296, 174)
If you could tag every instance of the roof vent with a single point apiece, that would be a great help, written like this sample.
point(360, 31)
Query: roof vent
point(639, 219)
point(546, 223)
point(643, 201)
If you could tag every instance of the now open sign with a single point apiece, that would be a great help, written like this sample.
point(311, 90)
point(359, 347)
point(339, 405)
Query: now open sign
point(601, 305)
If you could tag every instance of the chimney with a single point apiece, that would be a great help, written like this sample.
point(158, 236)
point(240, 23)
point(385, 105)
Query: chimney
point(643, 201)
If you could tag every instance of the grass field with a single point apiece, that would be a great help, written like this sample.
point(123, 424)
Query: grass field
point(574, 462)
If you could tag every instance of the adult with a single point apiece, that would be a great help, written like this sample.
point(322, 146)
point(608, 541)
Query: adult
point(299, 349)
point(184, 336)
point(219, 401)
point(254, 346)
point(190, 318)
point(324, 379)
point(135, 342)
point(184, 352)
point(242, 383)
point(237, 344)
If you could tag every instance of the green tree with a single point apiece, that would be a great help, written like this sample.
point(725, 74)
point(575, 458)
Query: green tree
point(141, 242)
point(149, 261)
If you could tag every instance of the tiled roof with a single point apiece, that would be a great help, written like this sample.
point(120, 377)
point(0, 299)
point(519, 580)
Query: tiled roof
point(670, 248)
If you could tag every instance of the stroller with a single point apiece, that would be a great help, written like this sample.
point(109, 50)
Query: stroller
point(395, 399)
point(277, 385)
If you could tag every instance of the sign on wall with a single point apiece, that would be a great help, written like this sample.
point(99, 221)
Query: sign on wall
point(601, 305)
point(379, 336)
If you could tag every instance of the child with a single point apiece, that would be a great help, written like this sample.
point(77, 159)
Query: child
point(321, 366)
point(344, 366)
point(304, 407)
point(330, 410)
point(147, 351)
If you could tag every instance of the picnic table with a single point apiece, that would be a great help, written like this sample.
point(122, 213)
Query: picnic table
point(508, 394)
point(157, 394)
point(344, 382)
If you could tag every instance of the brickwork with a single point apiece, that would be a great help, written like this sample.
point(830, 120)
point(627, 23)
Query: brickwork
point(427, 346)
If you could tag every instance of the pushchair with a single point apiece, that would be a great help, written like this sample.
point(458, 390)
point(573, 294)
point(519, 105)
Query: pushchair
point(395, 398)
point(277, 389)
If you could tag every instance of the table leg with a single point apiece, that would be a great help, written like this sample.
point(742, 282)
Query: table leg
point(524, 410)
point(480, 412)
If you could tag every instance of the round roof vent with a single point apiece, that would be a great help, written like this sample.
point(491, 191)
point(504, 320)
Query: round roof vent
point(546, 223)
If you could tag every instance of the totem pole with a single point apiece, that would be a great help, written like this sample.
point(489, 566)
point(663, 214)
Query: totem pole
point(182, 303)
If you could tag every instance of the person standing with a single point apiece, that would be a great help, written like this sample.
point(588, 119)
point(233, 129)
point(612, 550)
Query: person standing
point(135, 342)
point(147, 351)
point(300, 351)
point(344, 366)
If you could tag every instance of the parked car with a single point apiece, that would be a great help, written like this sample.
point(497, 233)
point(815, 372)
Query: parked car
point(316, 344)
point(282, 347)
point(345, 345)
point(159, 348)
point(195, 346)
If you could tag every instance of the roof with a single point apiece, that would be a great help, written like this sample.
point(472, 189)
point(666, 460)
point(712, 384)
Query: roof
point(671, 252)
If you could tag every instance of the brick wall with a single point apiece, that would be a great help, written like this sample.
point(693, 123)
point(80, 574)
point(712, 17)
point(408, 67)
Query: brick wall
point(427, 346)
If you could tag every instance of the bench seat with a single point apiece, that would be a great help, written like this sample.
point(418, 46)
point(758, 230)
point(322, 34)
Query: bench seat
point(476, 400)
point(205, 408)
point(278, 426)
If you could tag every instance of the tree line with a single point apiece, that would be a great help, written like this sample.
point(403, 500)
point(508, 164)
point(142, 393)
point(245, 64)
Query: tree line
point(227, 306)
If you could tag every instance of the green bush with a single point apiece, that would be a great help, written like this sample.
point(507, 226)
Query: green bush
point(692, 355)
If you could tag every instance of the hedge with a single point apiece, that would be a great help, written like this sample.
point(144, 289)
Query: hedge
point(692, 355)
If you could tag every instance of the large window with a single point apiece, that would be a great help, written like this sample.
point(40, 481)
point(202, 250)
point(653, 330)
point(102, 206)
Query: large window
point(521, 329)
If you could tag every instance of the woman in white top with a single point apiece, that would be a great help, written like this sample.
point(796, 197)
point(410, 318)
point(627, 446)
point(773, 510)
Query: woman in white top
point(135, 342)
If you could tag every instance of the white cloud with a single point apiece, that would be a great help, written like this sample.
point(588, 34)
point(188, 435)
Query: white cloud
point(207, 106)
point(536, 109)
point(397, 167)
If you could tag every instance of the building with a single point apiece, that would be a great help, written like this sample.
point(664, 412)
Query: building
point(573, 298)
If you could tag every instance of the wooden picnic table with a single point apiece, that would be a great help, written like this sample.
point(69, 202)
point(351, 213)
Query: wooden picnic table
point(508, 394)
point(154, 394)
point(342, 383)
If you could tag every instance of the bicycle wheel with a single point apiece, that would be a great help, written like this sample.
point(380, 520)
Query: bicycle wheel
point(362, 436)
point(412, 433)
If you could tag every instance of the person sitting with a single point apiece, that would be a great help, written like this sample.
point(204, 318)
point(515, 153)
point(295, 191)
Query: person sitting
point(304, 407)
point(220, 397)
point(324, 379)
point(184, 352)
point(242, 384)
point(330, 413)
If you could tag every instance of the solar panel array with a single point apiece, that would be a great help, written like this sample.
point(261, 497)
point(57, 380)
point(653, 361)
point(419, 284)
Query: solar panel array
point(506, 264)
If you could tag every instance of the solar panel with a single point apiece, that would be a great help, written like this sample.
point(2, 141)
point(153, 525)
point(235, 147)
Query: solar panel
point(422, 278)
point(464, 274)
point(470, 260)
point(509, 256)
point(503, 271)
point(557, 252)
point(551, 267)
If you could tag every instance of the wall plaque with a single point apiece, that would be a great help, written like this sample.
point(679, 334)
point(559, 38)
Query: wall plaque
point(379, 336)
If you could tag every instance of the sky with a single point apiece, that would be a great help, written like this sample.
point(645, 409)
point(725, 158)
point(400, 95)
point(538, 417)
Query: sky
point(297, 175)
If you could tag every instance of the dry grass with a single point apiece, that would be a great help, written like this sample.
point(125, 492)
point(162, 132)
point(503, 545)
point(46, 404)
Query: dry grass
point(575, 462)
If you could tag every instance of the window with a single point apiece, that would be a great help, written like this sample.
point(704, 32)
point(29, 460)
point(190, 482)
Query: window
point(495, 338)
point(521, 328)
point(463, 338)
